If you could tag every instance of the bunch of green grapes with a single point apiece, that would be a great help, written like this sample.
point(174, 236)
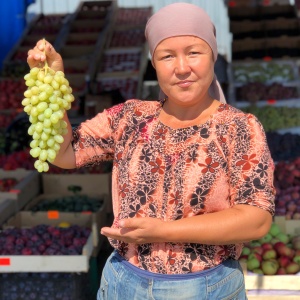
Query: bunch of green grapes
point(47, 97)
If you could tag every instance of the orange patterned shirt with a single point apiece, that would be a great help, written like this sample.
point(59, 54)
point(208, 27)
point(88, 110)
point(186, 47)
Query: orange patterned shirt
point(171, 174)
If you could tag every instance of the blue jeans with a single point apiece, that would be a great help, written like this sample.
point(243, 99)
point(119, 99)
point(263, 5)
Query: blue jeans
point(123, 281)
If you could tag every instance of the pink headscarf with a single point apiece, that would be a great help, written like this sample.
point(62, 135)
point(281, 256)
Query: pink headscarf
point(184, 19)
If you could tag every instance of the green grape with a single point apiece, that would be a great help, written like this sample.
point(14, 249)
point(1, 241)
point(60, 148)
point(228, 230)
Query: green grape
point(43, 155)
point(34, 144)
point(54, 119)
point(48, 112)
point(41, 75)
point(47, 97)
point(56, 147)
point(41, 117)
point(50, 142)
point(54, 84)
point(44, 136)
point(45, 167)
point(35, 152)
point(34, 71)
point(35, 90)
point(26, 101)
point(47, 123)
point(43, 144)
point(34, 100)
point(33, 119)
point(51, 154)
point(28, 94)
point(30, 82)
point(36, 136)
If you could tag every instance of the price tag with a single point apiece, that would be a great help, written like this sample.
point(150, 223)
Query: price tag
point(267, 58)
point(53, 214)
point(4, 262)
point(271, 101)
point(86, 212)
point(15, 191)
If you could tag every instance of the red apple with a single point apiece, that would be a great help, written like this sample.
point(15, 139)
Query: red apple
point(283, 261)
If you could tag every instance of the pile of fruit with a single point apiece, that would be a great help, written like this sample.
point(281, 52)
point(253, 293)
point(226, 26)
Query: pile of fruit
point(287, 184)
point(276, 253)
point(43, 240)
point(283, 147)
point(275, 117)
point(7, 183)
point(72, 203)
point(264, 72)
point(37, 286)
point(256, 91)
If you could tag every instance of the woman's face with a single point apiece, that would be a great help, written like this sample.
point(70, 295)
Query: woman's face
point(185, 69)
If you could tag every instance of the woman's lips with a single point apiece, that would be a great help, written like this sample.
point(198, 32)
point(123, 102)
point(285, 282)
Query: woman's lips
point(184, 84)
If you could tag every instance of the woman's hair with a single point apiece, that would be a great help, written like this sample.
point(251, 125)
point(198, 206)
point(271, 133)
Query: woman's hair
point(180, 19)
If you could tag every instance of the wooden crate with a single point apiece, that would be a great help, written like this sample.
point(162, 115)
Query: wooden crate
point(278, 287)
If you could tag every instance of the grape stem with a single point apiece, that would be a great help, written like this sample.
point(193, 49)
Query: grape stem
point(46, 67)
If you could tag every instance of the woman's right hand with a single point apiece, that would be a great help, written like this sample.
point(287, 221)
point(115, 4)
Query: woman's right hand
point(45, 51)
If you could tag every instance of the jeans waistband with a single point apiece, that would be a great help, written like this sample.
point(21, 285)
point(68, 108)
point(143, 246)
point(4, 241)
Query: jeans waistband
point(170, 277)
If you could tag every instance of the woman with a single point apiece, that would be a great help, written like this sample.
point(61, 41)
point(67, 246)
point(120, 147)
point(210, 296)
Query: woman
point(192, 176)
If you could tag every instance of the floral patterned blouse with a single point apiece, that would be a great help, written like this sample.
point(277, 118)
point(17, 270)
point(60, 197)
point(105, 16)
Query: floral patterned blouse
point(171, 174)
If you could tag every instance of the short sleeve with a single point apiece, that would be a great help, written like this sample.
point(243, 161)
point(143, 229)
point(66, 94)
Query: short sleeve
point(251, 166)
point(93, 140)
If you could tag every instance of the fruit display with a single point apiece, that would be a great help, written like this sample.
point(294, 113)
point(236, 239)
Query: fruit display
point(128, 86)
point(69, 203)
point(133, 37)
point(280, 71)
point(277, 253)
point(257, 91)
point(47, 98)
point(275, 117)
point(6, 184)
point(283, 147)
point(121, 61)
point(47, 25)
point(133, 16)
point(287, 173)
point(41, 286)
point(12, 90)
point(43, 240)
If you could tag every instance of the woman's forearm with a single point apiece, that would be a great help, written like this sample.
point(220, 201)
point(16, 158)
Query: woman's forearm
point(234, 225)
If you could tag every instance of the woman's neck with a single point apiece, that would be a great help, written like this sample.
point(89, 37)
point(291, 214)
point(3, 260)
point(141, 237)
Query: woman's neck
point(183, 116)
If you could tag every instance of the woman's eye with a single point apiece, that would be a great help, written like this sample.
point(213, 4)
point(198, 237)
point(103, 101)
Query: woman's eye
point(167, 56)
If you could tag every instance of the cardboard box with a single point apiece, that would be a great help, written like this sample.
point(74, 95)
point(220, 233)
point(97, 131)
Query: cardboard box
point(99, 218)
point(28, 186)
point(48, 263)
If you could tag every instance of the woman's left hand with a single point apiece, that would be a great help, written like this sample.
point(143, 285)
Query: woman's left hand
point(137, 230)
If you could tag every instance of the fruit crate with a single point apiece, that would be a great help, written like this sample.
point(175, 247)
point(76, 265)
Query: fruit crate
point(89, 183)
point(278, 287)
point(7, 209)
point(27, 186)
point(99, 217)
point(42, 285)
point(48, 263)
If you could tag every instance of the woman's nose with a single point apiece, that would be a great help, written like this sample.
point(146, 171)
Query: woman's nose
point(182, 66)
